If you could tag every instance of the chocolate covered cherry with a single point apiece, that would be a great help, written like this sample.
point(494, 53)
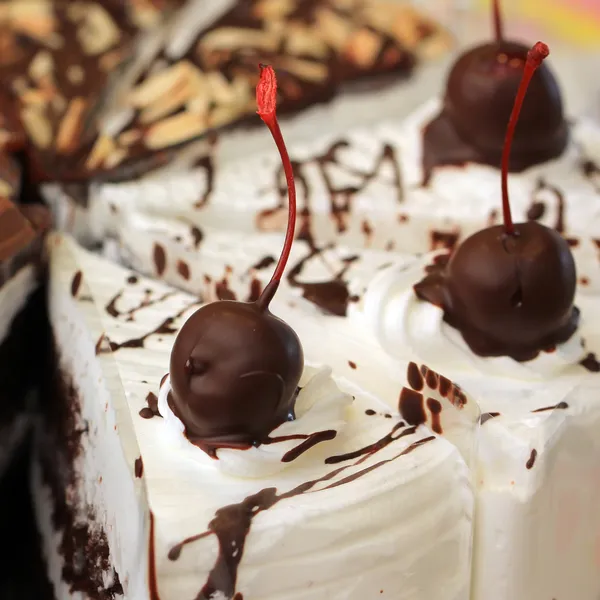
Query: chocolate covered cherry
point(235, 367)
point(479, 96)
point(508, 289)
point(477, 104)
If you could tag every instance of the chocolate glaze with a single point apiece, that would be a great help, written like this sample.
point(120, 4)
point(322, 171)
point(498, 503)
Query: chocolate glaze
point(507, 295)
point(479, 96)
point(332, 296)
point(232, 523)
point(234, 370)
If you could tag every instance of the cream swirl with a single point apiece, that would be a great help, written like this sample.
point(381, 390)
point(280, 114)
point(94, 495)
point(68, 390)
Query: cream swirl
point(320, 417)
point(400, 320)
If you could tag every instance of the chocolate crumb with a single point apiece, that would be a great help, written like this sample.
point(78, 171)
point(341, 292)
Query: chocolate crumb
point(352, 364)
point(590, 362)
point(370, 412)
point(132, 280)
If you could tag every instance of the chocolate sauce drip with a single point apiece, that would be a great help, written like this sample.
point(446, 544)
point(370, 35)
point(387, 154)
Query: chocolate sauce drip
point(340, 196)
point(412, 407)
point(112, 309)
point(207, 164)
point(159, 255)
point(75, 283)
point(435, 408)
point(197, 236)
point(560, 405)
point(332, 296)
point(485, 417)
point(264, 263)
point(531, 460)
point(165, 328)
point(537, 208)
point(591, 171)
point(232, 523)
point(311, 441)
point(414, 377)
point(590, 362)
point(152, 409)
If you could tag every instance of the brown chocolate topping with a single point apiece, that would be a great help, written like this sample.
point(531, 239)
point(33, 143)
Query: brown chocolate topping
point(480, 92)
point(591, 363)
point(234, 374)
point(160, 259)
point(485, 417)
point(507, 295)
point(311, 441)
point(412, 407)
point(76, 283)
point(560, 406)
point(139, 467)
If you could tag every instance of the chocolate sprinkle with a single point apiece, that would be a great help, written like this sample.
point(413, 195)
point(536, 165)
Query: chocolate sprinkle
point(160, 259)
point(183, 269)
point(76, 283)
point(139, 467)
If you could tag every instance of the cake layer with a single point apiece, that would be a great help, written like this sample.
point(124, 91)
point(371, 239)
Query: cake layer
point(537, 435)
point(363, 191)
point(345, 518)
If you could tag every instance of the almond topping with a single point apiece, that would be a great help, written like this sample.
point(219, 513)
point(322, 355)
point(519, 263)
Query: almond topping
point(71, 125)
point(97, 32)
point(304, 69)
point(235, 38)
point(42, 65)
point(364, 47)
point(301, 40)
point(102, 148)
point(174, 130)
point(159, 84)
point(130, 137)
point(37, 126)
point(270, 10)
point(335, 30)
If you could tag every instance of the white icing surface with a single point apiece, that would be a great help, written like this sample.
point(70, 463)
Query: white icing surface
point(389, 529)
point(320, 405)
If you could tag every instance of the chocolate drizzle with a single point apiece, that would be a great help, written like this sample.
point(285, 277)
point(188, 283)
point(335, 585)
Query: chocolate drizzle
point(340, 196)
point(311, 440)
point(537, 208)
point(232, 523)
point(485, 417)
point(332, 296)
point(531, 460)
point(560, 405)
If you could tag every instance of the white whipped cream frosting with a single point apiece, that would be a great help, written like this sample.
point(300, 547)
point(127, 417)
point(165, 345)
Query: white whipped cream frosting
point(320, 406)
point(401, 320)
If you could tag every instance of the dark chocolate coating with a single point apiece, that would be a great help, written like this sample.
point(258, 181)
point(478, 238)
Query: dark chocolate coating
point(509, 295)
point(479, 97)
point(234, 374)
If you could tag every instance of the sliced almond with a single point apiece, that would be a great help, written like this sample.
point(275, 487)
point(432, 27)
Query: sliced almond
point(183, 92)
point(37, 126)
point(153, 88)
point(219, 88)
point(6, 190)
point(301, 40)
point(405, 29)
point(382, 15)
point(130, 137)
point(97, 32)
point(102, 148)
point(270, 10)
point(33, 97)
point(41, 66)
point(333, 28)
point(236, 38)
point(69, 131)
point(111, 60)
point(304, 69)
point(174, 130)
point(364, 47)
point(115, 158)
point(225, 115)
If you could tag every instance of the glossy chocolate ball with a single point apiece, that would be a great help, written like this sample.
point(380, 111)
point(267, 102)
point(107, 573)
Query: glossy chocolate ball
point(235, 369)
point(509, 295)
point(479, 97)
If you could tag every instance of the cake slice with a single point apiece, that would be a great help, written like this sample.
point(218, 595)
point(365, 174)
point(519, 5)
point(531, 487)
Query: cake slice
point(360, 512)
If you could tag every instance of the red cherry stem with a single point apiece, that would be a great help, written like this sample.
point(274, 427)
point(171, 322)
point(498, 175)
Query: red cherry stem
point(498, 22)
point(535, 58)
point(266, 98)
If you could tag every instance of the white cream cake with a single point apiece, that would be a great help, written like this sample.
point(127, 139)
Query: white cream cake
point(387, 504)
